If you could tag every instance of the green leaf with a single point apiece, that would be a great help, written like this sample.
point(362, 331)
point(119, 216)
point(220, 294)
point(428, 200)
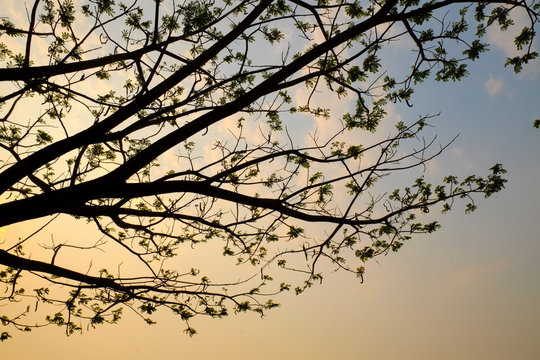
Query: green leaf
point(295, 232)
point(4, 336)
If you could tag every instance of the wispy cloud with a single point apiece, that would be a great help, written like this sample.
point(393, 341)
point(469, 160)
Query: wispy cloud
point(504, 40)
point(493, 85)
point(461, 155)
point(475, 274)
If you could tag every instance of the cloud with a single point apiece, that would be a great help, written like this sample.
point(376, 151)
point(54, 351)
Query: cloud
point(434, 167)
point(493, 85)
point(475, 274)
point(504, 40)
point(461, 156)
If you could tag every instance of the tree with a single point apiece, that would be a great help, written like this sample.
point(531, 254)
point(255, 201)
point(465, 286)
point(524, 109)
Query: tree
point(169, 125)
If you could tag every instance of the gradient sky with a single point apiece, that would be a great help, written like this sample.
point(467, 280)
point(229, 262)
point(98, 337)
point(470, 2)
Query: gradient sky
point(468, 291)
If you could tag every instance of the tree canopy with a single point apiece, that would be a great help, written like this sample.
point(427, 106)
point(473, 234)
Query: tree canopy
point(257, 128)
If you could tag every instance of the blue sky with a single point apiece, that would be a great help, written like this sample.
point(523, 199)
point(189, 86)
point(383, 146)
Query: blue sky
point(468, 291)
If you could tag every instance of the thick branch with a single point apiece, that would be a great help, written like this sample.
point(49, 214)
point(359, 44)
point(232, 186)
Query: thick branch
point(17, 262)
point(69, 200)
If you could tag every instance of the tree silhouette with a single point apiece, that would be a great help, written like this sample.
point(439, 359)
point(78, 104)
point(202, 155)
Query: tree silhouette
point(168, 124)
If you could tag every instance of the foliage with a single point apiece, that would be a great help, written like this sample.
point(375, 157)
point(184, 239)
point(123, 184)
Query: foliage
point(174, 125)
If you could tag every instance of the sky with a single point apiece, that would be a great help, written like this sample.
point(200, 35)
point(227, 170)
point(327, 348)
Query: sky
point(469, 291)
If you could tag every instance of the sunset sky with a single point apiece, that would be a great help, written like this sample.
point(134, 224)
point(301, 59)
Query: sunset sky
point(469, 291)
